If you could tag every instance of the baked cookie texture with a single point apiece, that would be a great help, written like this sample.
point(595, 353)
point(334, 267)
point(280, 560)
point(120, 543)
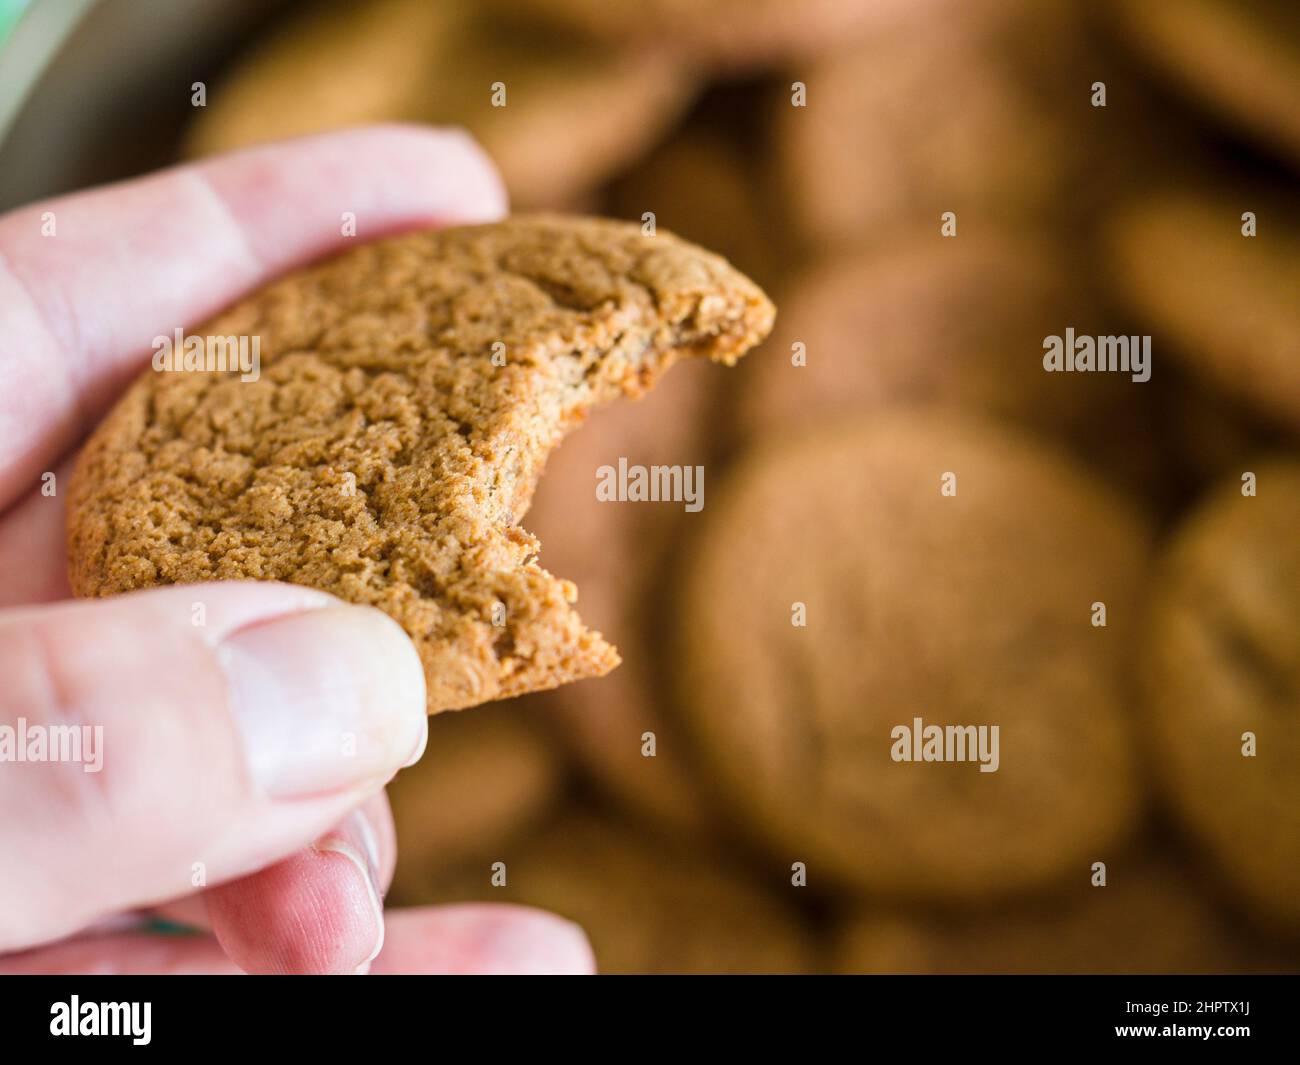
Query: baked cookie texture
point(969, 609)
point(1225, 661)
point(384, 456)
point(556, 115)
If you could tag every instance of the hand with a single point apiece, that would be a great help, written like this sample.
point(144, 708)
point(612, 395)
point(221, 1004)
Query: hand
point(241, 761)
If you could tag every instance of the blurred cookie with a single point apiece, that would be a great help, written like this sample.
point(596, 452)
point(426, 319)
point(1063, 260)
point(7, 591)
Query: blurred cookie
point(972, 609)
point(1147, 919)
point(485, 777)
point(915, 123)
point(702, 188)
point(1222, 302)
point(645, 907)
point(556, 115)
point(617, 551)
point(1224, 661)
point(960, 322)
point(406, 396)
point(1242, 59)
point(728, 33)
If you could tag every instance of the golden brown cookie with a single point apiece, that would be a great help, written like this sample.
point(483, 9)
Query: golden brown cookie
point(968, 611)
point(1147, 919)
point(960, 322)
point(917, 122)
point(557, 115)
point(616, 552)
point(1223, 303)
point(647, 907)
point(1223, 661)
point(409, 393)
point(484, 778)
point(1242, 59)
point(728, 33)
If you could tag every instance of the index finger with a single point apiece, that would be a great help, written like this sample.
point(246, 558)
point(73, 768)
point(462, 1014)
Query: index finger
point(88, 280)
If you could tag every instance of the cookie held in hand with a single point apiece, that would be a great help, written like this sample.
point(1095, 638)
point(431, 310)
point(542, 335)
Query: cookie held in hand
point(408, 394)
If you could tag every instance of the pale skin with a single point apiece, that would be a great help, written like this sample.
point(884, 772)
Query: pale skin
point(297, 845)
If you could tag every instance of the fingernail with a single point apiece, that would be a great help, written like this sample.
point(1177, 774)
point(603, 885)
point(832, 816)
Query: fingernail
point(325, 699)
point(354, 839)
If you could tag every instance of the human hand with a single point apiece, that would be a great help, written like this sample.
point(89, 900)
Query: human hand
point(241, 761)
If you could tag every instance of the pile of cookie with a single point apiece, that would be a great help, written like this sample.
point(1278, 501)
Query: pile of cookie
point(909, 518)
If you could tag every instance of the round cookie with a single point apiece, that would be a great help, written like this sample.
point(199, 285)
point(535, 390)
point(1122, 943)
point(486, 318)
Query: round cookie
point(1223, 661)
point(945, 121)
point(572, 113)
point(616, 551)
point(733, 34)
point(647, 908)
point(407, 395)
point(959, 322)
point(1225, 304)
point(485, 777)
point(967, 609)
point(1147, 919)
point(1241, 59)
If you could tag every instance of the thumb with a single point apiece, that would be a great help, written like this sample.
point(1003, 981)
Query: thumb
point(160, 742)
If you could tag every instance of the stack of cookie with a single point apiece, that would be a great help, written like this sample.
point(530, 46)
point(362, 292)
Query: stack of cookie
point(967, 660)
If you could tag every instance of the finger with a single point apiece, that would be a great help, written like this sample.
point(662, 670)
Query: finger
point(451, 940)
point(319, 911)
point(221, 727)
point(33, 545)
point(483, 938)
point(81, 302)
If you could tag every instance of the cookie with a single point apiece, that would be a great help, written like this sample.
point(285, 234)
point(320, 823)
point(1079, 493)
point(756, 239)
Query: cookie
point(960, 322)
point(733, 34)
point(1222, 303)
point(647, 908)
point(409, 392)
point(484, 778)
point(837, 595)
point(1224, 661)
point(1147, 919)
point(556, 115)
point(1240, 59)
point(946, 121)
point(617, 553)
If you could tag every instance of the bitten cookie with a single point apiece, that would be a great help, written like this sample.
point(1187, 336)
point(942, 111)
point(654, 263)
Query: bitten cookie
point(924, 567)
point(557, 115)
point(1222, 302)
point(648, 908)
point(1224, 661)
point(409, 393)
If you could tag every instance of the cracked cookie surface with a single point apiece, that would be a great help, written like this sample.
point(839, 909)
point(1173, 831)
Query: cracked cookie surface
point(409, 393)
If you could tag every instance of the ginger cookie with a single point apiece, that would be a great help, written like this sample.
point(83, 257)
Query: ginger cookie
point(556, 115)
point(620, 729)
point(1240, 59)
point(946, 122)
point(409, 392)
point(959, 322)
point(1224, 303)
point(485, 778)
point(733, 34)
point(1222, 683)
point(857, 591)
point(1148, 918)
point(648, 907)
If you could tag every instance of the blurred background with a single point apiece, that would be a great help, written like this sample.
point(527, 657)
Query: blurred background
point(724, 801)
